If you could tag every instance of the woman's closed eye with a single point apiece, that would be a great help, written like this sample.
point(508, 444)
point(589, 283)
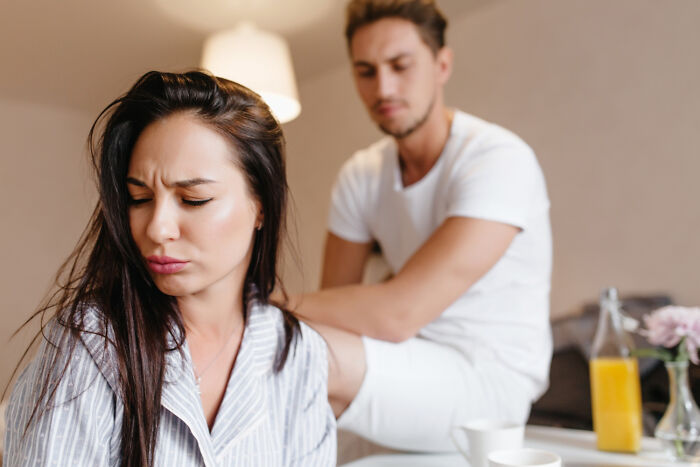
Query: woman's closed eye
point(187, 201)
point(136, 201)
point(196, 202)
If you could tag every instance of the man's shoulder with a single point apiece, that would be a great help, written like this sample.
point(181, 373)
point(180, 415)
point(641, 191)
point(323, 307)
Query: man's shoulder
point(483, 132)
point(477, 141)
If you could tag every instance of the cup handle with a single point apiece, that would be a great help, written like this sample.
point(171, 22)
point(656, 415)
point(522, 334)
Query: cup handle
point(457, 443)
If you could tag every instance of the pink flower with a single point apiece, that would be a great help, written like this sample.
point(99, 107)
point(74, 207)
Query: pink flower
point(667, 326)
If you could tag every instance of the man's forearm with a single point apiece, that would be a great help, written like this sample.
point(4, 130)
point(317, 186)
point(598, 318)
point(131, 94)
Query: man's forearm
point(368, 310)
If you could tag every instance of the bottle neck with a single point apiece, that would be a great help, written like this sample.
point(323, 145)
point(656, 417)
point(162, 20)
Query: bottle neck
point(610, 339)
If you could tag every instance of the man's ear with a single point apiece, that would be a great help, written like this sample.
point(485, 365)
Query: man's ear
point(444, 59)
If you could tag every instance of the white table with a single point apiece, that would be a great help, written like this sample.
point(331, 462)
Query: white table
point(576, 448)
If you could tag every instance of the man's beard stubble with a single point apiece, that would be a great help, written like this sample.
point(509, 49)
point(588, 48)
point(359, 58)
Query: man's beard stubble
point(411, 128)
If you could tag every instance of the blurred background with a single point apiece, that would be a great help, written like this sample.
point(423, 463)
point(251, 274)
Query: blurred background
point(605, 91)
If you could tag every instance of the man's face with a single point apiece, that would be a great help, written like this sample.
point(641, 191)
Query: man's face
point(397, 75)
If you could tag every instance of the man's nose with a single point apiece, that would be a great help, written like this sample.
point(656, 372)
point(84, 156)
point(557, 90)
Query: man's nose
point(163, 225)
point(386, 84)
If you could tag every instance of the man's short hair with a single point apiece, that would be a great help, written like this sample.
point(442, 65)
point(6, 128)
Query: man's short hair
point(429, 20)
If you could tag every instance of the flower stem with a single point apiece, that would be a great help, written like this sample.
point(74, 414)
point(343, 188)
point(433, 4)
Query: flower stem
point(679, 449)
point(681, 356)
point(662, 354)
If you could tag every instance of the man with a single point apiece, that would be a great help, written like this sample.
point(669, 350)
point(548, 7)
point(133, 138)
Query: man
point(460, 211)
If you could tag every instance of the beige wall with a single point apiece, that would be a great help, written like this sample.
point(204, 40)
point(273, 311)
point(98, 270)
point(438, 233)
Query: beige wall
point(46, 197)
point(605, 91)
point(607, 94)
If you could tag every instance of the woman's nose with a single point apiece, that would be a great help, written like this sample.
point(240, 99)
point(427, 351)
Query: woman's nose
point(163, 225)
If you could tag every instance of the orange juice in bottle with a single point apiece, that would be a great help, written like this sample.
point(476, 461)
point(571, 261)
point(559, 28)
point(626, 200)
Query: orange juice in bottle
point(615, 387)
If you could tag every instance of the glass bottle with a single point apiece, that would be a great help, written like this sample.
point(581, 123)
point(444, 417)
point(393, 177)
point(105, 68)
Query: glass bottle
point(615, 386)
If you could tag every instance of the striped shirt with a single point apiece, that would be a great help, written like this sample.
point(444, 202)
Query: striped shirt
point(265, 418)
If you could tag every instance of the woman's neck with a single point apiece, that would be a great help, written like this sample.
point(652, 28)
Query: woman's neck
point(213, 314)
point(214, 327)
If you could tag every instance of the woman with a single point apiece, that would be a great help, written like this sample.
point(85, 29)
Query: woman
point(165, 348)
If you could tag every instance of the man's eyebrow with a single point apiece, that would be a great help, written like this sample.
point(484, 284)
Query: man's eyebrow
point(180, 183)
point(363, 63)
point(399, 56)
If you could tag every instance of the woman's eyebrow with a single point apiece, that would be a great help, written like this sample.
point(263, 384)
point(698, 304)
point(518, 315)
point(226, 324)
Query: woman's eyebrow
point(133, 181)
point(192, 182)
point(180, 184)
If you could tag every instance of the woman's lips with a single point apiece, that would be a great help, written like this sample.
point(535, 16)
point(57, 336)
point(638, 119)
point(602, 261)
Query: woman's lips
point(165, 264)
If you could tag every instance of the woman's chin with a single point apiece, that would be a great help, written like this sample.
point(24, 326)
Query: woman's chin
point(174, 288)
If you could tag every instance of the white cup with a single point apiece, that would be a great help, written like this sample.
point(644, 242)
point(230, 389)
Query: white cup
point(523, 458)
point(484, 436)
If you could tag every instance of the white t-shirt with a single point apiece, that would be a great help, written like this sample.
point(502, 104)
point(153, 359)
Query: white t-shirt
point(483, 172)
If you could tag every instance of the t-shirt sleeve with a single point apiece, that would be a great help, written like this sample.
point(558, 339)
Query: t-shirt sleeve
point(347, 217)
point(501, 183)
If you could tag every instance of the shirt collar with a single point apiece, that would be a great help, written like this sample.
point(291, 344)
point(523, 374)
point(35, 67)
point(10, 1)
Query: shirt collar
point(244, 403)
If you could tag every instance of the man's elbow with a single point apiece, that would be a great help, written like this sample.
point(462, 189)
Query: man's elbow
point(397, 330)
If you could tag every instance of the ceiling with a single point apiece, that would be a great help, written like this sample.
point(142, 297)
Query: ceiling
point(82, 53)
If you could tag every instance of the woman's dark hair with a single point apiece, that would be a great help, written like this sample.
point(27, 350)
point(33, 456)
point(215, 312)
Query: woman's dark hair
point(425, 14)
point(107, 271)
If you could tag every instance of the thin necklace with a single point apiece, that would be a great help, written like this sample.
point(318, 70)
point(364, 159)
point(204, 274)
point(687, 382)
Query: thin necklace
point(198, 375)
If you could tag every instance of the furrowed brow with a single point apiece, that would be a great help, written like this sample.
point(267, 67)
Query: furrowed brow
point(133, 181)
point(192, 182)
point(179, 184)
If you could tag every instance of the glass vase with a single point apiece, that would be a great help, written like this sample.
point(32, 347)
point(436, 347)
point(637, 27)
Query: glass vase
point(679, 428)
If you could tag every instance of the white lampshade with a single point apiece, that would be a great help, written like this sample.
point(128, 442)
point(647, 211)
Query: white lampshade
point(259, 60)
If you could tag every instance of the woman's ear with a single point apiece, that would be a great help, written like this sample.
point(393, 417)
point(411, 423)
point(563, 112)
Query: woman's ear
point(256, 207)
point(260, 220)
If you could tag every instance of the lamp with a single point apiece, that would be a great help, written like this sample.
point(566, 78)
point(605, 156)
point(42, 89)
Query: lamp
point(259, 60)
